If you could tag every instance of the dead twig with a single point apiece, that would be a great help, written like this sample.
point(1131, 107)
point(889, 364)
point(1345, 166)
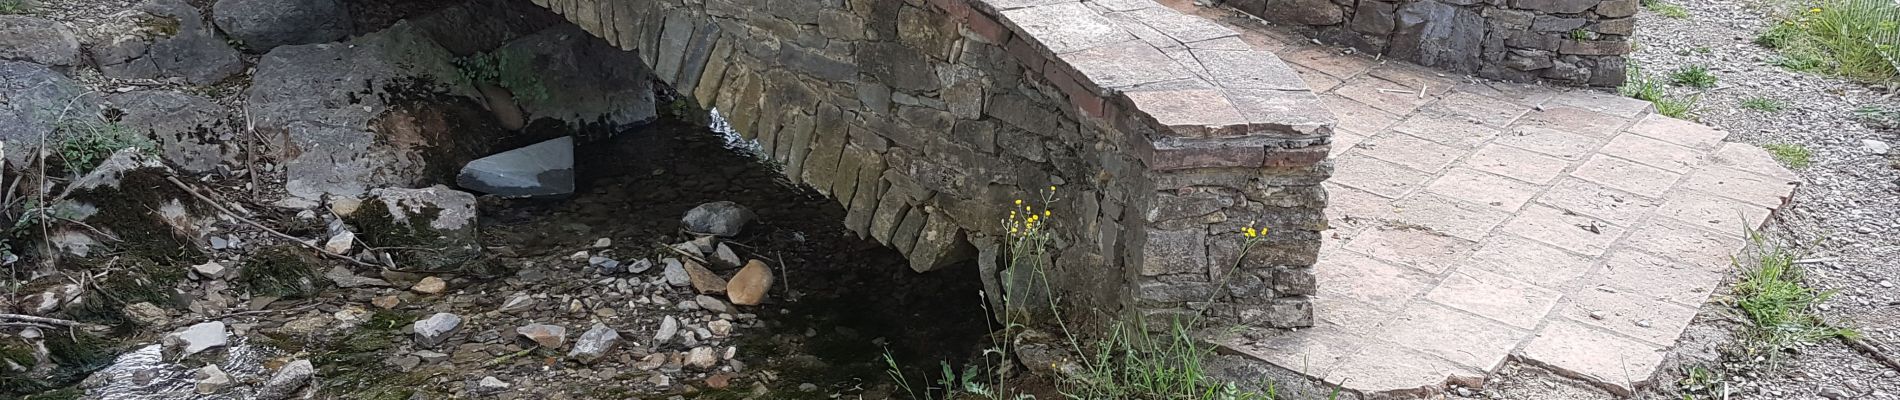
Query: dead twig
point(1871, 351)
point(44, 320)
point(293, 239)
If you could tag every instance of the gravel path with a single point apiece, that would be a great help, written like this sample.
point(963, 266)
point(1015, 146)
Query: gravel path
point(1848, 211)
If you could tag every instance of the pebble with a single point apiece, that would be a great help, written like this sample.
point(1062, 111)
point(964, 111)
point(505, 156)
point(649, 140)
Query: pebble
point(287, 381)
point(1886, 283)
point(1875, 146)
point(603, 243)
point(547, 336)
point(211, 379)
point(386, 302)
point(668, 328)
point(431, 331)
point(197, 338)
point(720, 328)
point(703, 358)
point(517, 302)
point(595, 343)
point(712, 304)
point(675, 272)
point(492, 385)
point(430, 285)
point(341, 243)
point(209, 270)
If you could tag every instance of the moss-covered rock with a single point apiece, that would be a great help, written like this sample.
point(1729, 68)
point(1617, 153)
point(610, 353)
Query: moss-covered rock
point(127, 206)
point(430, 229)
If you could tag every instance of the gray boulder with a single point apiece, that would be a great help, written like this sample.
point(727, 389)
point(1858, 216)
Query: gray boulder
point(265, 24)
point(36, 101)
point(165, 39)
point(541, 169)
point(719, 218)
point(566, 74)
point(431, 332)
point(193, 133)
point(288, 380)
point(337, 104)
point(37, 40)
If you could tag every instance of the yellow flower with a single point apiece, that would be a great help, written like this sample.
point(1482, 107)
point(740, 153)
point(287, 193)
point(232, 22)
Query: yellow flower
point(1816, 10)
point(1019, 202)
point(1052, 188)
point(1045, 213)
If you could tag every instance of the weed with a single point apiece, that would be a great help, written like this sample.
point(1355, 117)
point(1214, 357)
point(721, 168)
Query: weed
point(1666, 9)
point(1762, 104)
point(1857, 39)
point(1695, 76)
point(1792, 155)
point(511, 70)
point(1878, 117)
point(82, 144)
point(9, 7)
point(1697, 379)
point(1641, 86)
point(1677, 107)
point(1777, 302)
point(1580, 35)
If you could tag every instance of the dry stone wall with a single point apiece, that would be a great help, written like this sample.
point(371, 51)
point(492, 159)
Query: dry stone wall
point(1570, 41)
point(1163, 135)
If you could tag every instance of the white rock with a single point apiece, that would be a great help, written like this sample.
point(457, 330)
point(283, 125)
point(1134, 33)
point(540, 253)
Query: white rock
point(341, 243)
point(725, 257)
point(492, 385)
point(1875, 146)
point(548, 336)
point(287, 380)
point(703, 358)
point(720, 328)
point(713, 304)
point(668, 327)
point(433, 330)
point(675, 273)
point(518, 302)
point(197, 338)
point(595, 343)
point(603, 243)
point(209, 270)
point(211, 379)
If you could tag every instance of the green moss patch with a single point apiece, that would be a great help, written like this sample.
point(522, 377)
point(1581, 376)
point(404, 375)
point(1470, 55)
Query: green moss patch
point(282, 271)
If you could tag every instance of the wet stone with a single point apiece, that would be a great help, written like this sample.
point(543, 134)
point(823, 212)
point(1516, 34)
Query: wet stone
point(720, 218)
point(432, 331)
point(287, 381)
point(539, 170)
point(595, 343)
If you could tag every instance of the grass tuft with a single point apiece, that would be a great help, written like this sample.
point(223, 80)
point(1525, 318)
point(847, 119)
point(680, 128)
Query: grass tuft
point(1695, 76)
point(1641, 86)
point(1856, 39)
point(1773, 296)
point(1792, 155)
point(10, 7)
point(1666, 9)
point(1763, 104)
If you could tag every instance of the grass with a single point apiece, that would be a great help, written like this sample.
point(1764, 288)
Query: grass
point(1695, 76)
point(1666, 9)
point(1641, 86)
point(82, 145)
point(1763, 104)
point(1792, 155)
point(1878, 117)
point(8, 7)
point(1855, 39)
point(1771, 293)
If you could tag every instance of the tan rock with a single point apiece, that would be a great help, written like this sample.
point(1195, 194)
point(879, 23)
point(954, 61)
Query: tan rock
point(386, 302)
point(748, 287)
point(430, 285)
point(704, 280)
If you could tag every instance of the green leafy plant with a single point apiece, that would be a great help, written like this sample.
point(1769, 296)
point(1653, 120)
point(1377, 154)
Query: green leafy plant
point(1666, 9)
point(9, 7)
point(1580, 34)
point(1641, 86)
point(1762, 104)
point(1772, 295)
point(82, 144)
point(1695, 76)
point(1677, 107)
point(1792, 155)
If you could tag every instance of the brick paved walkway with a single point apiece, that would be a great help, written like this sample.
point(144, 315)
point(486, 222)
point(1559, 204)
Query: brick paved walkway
point(1479, 222)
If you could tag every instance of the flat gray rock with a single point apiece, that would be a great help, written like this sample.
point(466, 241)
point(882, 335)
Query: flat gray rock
point(193, 133)
point(37, 40)
point(595, 343)
point(430, 332)
point(265, 24)
point(539, 170)
point(719, 218)
point(165, 39)
point(197, 338)
point(36, 100)
point(287, 381)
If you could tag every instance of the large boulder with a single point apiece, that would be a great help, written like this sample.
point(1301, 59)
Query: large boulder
point(566, 74)
point(192, 132)
point(34, 102)
point(164, 39)
point(431, 229)
point(385, 109)
point(37, 40)
point(263, 25)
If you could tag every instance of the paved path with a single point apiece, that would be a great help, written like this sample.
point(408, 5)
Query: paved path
point(1479, 222)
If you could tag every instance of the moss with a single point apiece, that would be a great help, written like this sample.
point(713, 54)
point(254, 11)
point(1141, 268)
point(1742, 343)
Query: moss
point(75, 354)
point(130, 212)
point(353, 365)
point(414, 243)
point(282, 271)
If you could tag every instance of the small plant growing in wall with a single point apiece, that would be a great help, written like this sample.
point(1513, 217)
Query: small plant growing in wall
point(1581, 35)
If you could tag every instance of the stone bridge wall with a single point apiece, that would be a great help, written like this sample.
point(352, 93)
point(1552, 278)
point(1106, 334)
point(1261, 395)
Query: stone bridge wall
point(1163, 134)
point(1570, 41)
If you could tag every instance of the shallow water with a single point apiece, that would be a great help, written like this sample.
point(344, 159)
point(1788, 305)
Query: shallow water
point(144, 374)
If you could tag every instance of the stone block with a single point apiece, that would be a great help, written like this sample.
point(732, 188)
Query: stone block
point(1064, 27)
point(1617, 8)
point(1439, 35)
point(1294, 281)
point(891, 207)
point(1528, 60)
point(1555, 6)
point(1618, 26)
point(708, 85)
point(675, 35)
point(1375, 17)
point(1304, 12)
point(1174, 252)
point(904, 239)
point(1551, 23)
point(1158, 293)
point(898, 66)
point(864, 199)
point(941, 243)
point(820, 170)
point(1594, 47)
point(797, 148)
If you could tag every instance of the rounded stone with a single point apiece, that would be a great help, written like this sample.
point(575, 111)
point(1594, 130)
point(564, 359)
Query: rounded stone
point(265, 24)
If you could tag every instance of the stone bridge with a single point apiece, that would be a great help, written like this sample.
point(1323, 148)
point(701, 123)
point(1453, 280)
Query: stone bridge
point(1162, 135)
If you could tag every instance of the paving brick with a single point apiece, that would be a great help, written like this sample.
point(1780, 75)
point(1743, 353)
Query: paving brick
point(1382, 94)
point(1683, 284)
point(1344, 141)
point(1066, 27)
point(1529, 94)
point(1191, 113)
point(1578, 350)
point(1626, 175)
point(1318, 82)
point(1478, 187)
point(1410, 151)
point(1531, 261)
point(1464, 339)
point(1680, 132)
point(1731, 183)
point(1498, 297)
point(1418, 248)
point(1357, 117)
point(1603, 102)
point(1712, 212)
point(1573, 120)
point(1413, 76)
point(1749, 158)
point(1516, 163)
point(1378, 284)
point(1589, 198)
point(1328, 60)
point(1488, 110)
point(1125, 64)
point(1350, 315)
point(1565, 145)
point(1450, 130)
point(1574, 232)
point(1315, 351)
point(1654, 153)
point(1349, 204)
point(1448, 216)
point(1627, 312)
point(1679, 241)
point(1376, 176)
point(1395, 371)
